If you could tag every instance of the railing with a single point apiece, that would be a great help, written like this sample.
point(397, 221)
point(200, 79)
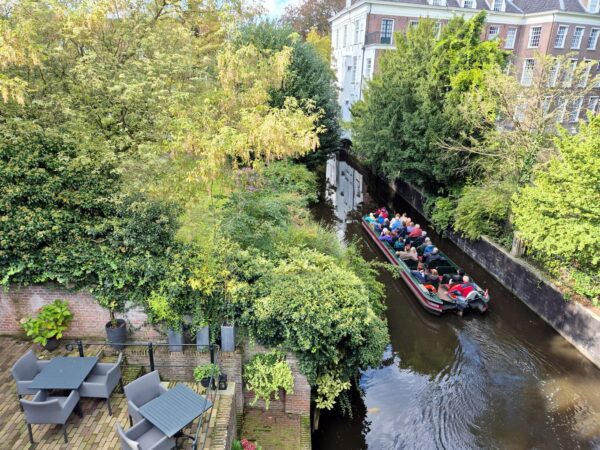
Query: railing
point(211, 393)
point(378, 38)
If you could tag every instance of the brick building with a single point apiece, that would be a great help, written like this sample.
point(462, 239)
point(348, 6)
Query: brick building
point(365, 28)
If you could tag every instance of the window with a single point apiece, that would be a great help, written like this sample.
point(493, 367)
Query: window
point(561, 36)
point(597, 80)
point(554, 72)
point(345, 35)
point(576, 39)
point(387, 25)
point(497, 5)
point(561, 110)
point(569, 78)
point(534, 37)
point(576, 111)
point(527, 77)
point(493, 32)
point(593, 105)
point(546, 104)
point(354, 67)
point(593, 39)
point(594, 6)
point(356, 29)
point(511, 37)
point(468, 4)
point(369, 68)
point(438, 28)
point(414, 23)
point(585, 76)
point(336, 40)
point(438, 2)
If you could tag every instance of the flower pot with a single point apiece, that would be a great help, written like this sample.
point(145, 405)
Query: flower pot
point(175, 340)
point(202, 338)
point(205, 381)
point(222, 382)
point(227, 338)
point(118, 335)
point(52, 344)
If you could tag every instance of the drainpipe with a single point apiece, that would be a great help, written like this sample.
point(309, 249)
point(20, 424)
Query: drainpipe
point(362, 64)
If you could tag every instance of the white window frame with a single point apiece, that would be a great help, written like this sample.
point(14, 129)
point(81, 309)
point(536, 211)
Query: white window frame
point(510, 42)
point(345, 37)
point(568, 82)
point(413, 23)
point(356, 30)
point(354, 69)
point(469, 3)
point(369, 68)
point(593, 39)
point(593, 104)
point(491, 36)
point(597, 79)
point(577, 38)
point(563, 37)
point(585, 76)
point(536, 36)
point(528, 71)
point(554, 74)
point(546, 104)
point(498, 5)
point(437, 2)
point(594, 6)
point(561, 109)
point(391, 36)
point(438, 28)
point(576, 111)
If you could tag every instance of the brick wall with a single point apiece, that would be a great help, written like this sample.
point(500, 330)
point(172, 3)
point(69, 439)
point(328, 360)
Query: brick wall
point(89, 317)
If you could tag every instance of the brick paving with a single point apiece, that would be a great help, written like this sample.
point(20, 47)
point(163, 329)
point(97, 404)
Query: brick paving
point(275, 430)
point(96, 430)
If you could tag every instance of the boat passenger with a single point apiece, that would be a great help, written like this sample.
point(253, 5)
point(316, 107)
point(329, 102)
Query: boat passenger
point(399, 244)
point(457, 277)
point(419, 274)
point(380, 219)
point(433, 256)
point(463, 289)
point(415, 232)
point(371, 218)
point(386, 236)
point(383, 212)
point(426, 245)
point(410, 227)
point(408, 255)
point(433, 278)
point(419, 240)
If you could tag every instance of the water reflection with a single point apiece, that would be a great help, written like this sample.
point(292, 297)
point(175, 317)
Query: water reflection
point(502, 381)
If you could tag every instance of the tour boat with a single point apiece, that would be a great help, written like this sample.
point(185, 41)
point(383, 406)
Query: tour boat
point(437, 301)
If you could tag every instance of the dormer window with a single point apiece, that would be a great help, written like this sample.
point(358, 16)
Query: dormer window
point(469, 3)
point(437, 2)
point(498, 5)
point(594, 6)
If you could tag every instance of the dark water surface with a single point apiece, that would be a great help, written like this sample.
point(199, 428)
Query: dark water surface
point(505, 380)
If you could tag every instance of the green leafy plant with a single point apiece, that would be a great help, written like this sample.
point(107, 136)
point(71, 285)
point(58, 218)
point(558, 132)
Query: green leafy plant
point(205, 371)
point(50, 322)
point(268, 373)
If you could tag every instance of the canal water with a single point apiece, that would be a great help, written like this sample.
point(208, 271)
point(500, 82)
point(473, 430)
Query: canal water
point(504, 380)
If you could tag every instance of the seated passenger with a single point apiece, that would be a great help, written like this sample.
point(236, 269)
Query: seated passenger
point(433, 256)
point(462, 289)
point(419, 274)
point(399, 244)
point(457, 277)
point(410, 255)
point(380, 219)
point(386, 236)
point(370, 218)
point(426, 243)
point(433, 278)
point(410, 227)
point(383, 212)
point(419, 240)
point(415, 232)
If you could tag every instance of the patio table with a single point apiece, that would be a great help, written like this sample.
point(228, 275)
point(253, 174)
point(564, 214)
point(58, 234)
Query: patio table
point(64, 373)
point(175, 409)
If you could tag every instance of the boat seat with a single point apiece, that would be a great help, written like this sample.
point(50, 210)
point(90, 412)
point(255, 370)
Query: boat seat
point(446, 270)
point(437, 263)
point(412, 264)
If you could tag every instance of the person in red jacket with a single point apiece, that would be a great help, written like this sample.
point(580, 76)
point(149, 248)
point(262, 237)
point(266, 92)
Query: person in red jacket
point(416, 232)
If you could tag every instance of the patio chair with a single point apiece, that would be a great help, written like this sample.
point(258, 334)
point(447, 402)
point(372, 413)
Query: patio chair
point(144, 436)
point(24, 371)
point(44, 409)
point(102, 381)
point(141, 391)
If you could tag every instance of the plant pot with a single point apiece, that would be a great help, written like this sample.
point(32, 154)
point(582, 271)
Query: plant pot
point(52, 344)
point(202, 338)
point(227, 338)
point(205, 382)
point(175, 340)
point(118, 335)
point(222, 382)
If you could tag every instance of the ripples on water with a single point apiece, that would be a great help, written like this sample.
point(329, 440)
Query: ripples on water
point(500, 381)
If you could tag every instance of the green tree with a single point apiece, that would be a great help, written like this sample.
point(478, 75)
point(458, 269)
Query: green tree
point(311, 14)
point(558, 215)
point(413, 104)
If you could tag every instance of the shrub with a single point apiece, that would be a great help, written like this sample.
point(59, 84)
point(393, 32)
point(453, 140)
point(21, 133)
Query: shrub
point(204, 371)
point(50, 322)
point(266, 374)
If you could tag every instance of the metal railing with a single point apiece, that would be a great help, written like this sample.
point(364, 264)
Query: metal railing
point(211, 392)
point(378, 38)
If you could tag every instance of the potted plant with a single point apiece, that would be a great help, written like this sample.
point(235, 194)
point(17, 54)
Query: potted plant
point(203, 372)
point(116, 329)
point(201, 329)
point(47, 327)
point(267, 374)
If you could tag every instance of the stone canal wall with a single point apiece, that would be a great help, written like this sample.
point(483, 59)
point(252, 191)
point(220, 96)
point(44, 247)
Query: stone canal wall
point(576, 323)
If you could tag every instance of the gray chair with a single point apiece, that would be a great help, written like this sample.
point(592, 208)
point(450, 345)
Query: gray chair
point(144, 436)
point(141, 391)
point(24, 371)
point(44, 409)
point(102, 381)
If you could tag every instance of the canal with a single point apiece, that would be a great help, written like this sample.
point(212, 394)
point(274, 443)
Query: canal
point(505, 380)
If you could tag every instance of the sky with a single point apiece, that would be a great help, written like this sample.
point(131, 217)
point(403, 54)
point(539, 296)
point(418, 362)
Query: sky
point(275, 7)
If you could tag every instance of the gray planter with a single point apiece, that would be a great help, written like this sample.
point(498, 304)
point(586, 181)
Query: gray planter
point(227, 338)
point(116, 336)
point(202, 338)
point(175, 340)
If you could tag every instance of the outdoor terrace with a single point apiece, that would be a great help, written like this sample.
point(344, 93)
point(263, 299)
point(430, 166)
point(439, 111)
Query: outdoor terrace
point(97, 429)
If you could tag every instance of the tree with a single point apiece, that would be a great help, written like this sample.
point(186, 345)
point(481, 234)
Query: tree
point(312, 14)
point(413, 104)
point(558, 215)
